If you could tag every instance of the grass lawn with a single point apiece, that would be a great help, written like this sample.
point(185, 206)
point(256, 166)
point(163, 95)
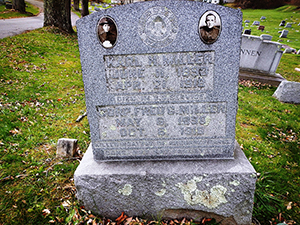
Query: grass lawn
point(31, 10)
point(41, 96)
point(273, 18)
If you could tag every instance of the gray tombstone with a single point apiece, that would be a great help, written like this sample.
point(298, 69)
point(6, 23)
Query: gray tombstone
point(289, 50)
point(262, 18)
point(133, 90)
point(256, 23)
point(247, 21)
point(298, 52)
point(266, 37)
point(247, 31)
point(260, 59)
point(161, 97)
point(288, 25)
point(284, 34)
point(282, 23)
point(66, 147)
point(288, 92)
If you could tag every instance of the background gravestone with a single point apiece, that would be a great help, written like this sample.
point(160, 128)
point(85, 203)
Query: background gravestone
point(266, 37)
point(247, 31)
point(284, 34)
point(161, 98)
point(260, 59)
point(288, 25)
point(288, 92)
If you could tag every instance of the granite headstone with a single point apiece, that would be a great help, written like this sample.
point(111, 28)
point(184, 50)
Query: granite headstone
point(288, 25)
point(256, 23)
point(284, 34)
point(262, 28)
point(259, 54)
point(288, 92)
point(266, 37)
point(161, 89)
point(263, 18)
point(282, 23)
point(247, 31)
point(260, 59)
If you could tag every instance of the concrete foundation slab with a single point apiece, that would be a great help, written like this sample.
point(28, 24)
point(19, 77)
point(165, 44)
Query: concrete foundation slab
point(259, 76)
point(222, 189)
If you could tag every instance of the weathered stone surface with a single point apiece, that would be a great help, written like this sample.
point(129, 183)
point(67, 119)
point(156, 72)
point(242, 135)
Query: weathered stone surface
point(66, 147)
point(288, 91)
point(159, 89)
point(161, 82)
point(171, 189)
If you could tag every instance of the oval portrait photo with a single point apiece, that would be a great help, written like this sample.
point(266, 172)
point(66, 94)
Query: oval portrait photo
point(209, 27)
point(107, 32)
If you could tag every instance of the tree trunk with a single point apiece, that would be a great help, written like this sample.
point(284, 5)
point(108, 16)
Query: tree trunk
point(19, 5)
point(85, 8)
point(58, 13)
point(76, 5)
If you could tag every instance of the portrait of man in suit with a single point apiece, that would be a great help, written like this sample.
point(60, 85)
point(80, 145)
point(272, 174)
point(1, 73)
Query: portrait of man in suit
point(210, 27)
point(107, 32)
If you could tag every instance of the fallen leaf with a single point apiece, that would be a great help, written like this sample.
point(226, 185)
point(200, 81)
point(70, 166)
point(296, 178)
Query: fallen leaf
point(15, 131)
point(121, 218)
point(289, 206)
point(183, 221)
point(128, 221)
point(46, 212)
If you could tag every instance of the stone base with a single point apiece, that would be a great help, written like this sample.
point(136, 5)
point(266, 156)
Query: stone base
point(220, 189)
point(272, 79)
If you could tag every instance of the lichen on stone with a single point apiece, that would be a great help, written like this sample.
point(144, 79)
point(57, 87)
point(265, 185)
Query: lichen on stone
point(161, 192)
point(126, 190)
point(194, 196)
point(234, 183)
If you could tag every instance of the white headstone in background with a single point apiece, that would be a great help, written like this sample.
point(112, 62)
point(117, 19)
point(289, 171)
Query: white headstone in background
point(266, 37)
point(288, 92)
point(258, 54)
point(260, 59)
point(284, 34)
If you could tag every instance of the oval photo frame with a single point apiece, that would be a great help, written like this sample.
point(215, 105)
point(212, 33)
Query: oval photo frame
point(107, 32)
point(210, 27)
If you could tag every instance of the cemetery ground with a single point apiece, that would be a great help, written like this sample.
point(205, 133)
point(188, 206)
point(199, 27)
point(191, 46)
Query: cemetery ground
point(31, 10)
point(41, 96)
